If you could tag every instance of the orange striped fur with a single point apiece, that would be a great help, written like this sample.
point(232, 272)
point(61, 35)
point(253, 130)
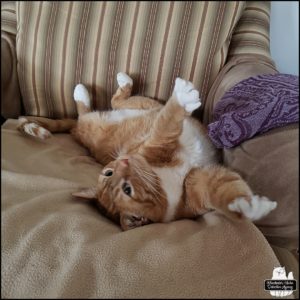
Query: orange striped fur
point(160, 165)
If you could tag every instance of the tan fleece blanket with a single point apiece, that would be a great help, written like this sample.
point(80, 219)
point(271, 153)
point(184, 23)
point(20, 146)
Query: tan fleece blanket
point(54, 246)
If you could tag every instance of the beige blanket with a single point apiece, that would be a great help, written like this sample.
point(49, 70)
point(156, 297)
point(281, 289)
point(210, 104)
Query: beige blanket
point(55, 246)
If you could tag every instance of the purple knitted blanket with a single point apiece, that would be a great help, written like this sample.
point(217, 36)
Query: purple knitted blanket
point(253, 106)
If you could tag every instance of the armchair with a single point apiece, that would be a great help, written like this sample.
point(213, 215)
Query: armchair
point(55, 247)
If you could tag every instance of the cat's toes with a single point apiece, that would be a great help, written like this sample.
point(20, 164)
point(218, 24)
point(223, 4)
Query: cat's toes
point(254, 209)
point(186, 95)
point(123, 79)
point(33, 129)
point(183, 85)
point(81, 94)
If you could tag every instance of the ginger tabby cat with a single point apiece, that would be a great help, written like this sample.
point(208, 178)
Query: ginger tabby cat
point(160, 165)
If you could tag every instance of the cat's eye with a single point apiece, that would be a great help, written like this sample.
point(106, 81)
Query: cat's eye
point(126, 188)
point(108, 173)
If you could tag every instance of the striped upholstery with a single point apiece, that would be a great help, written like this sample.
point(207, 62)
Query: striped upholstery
point(60, 44)
point(251, 34)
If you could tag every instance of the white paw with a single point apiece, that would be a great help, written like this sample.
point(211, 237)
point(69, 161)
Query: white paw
point(123, 79)
point(186, 94)
point(36, 131)
point(81, 94)
point(257, 208)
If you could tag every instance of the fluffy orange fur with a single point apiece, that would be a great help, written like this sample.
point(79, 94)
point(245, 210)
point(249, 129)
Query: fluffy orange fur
point(140, 143)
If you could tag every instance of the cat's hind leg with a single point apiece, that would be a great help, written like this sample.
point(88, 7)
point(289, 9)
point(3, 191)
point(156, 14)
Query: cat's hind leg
point(123, 92)
point(216, 187)
point(82, 99)
point(122, 98)
point(42, 128)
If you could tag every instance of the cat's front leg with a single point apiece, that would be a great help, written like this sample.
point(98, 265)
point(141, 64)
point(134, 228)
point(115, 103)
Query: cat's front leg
point(221, 189)
point(123, 92)
point(167, 128)
point(186, 95)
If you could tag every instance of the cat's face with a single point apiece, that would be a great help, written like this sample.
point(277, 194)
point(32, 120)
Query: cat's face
point(279, 272)
point(129, 190)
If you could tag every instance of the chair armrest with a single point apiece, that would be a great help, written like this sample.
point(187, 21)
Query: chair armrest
point(270, 164)
point(268, 161)
point(248, 53)
point(235, 70)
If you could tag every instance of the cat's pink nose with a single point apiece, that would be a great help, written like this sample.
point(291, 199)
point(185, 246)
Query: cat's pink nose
point(124, 162)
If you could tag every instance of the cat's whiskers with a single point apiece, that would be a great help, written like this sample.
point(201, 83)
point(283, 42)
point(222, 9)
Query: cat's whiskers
point(150, 182)
point(146, 173)
point(114, 154)
point(150, 178)
point(117, 151)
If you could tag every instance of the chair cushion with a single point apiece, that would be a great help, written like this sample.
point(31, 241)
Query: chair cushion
point(60, 44)
point(54, 246)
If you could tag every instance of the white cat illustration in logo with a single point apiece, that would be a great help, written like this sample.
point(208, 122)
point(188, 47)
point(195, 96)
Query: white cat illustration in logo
point(279, 273)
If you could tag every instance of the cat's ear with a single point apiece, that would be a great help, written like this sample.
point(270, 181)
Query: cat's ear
point(131, 221)
point(86, 194)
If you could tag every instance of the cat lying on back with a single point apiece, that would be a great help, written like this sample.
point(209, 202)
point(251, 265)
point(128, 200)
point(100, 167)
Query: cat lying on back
point(160, 165)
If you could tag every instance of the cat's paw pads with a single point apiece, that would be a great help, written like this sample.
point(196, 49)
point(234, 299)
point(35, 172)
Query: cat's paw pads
point(186, 95)
point(123, 79)
point(81, 94)
point(254, 209)
point(35, 130)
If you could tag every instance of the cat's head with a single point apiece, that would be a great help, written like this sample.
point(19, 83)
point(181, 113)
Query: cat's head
point(279, 272)
point(129, 191)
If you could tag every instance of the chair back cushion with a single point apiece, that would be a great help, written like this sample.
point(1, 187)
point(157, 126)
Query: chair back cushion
point(61, 44)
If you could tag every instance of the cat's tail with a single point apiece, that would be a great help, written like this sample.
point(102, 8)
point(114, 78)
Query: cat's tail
point(42, 128)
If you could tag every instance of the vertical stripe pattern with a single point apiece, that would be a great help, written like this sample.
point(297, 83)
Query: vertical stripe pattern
point(133, 29)
point(60, 44)
point(33, 59)
point(65, 45)
point(96, 54)
point(147, 47)
point(163, 49)
point(181, 41)
point(81, 42)
point(113, 49)
point(212, 48)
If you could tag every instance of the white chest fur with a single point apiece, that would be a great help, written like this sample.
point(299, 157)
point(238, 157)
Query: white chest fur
point(122, 114)
point(113, 116)
point(196, 152)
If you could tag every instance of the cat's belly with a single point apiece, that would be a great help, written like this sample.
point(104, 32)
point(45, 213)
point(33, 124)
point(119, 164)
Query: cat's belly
point(196, 151)
point(103, 133)
point(116, 116)
point(112, 116)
